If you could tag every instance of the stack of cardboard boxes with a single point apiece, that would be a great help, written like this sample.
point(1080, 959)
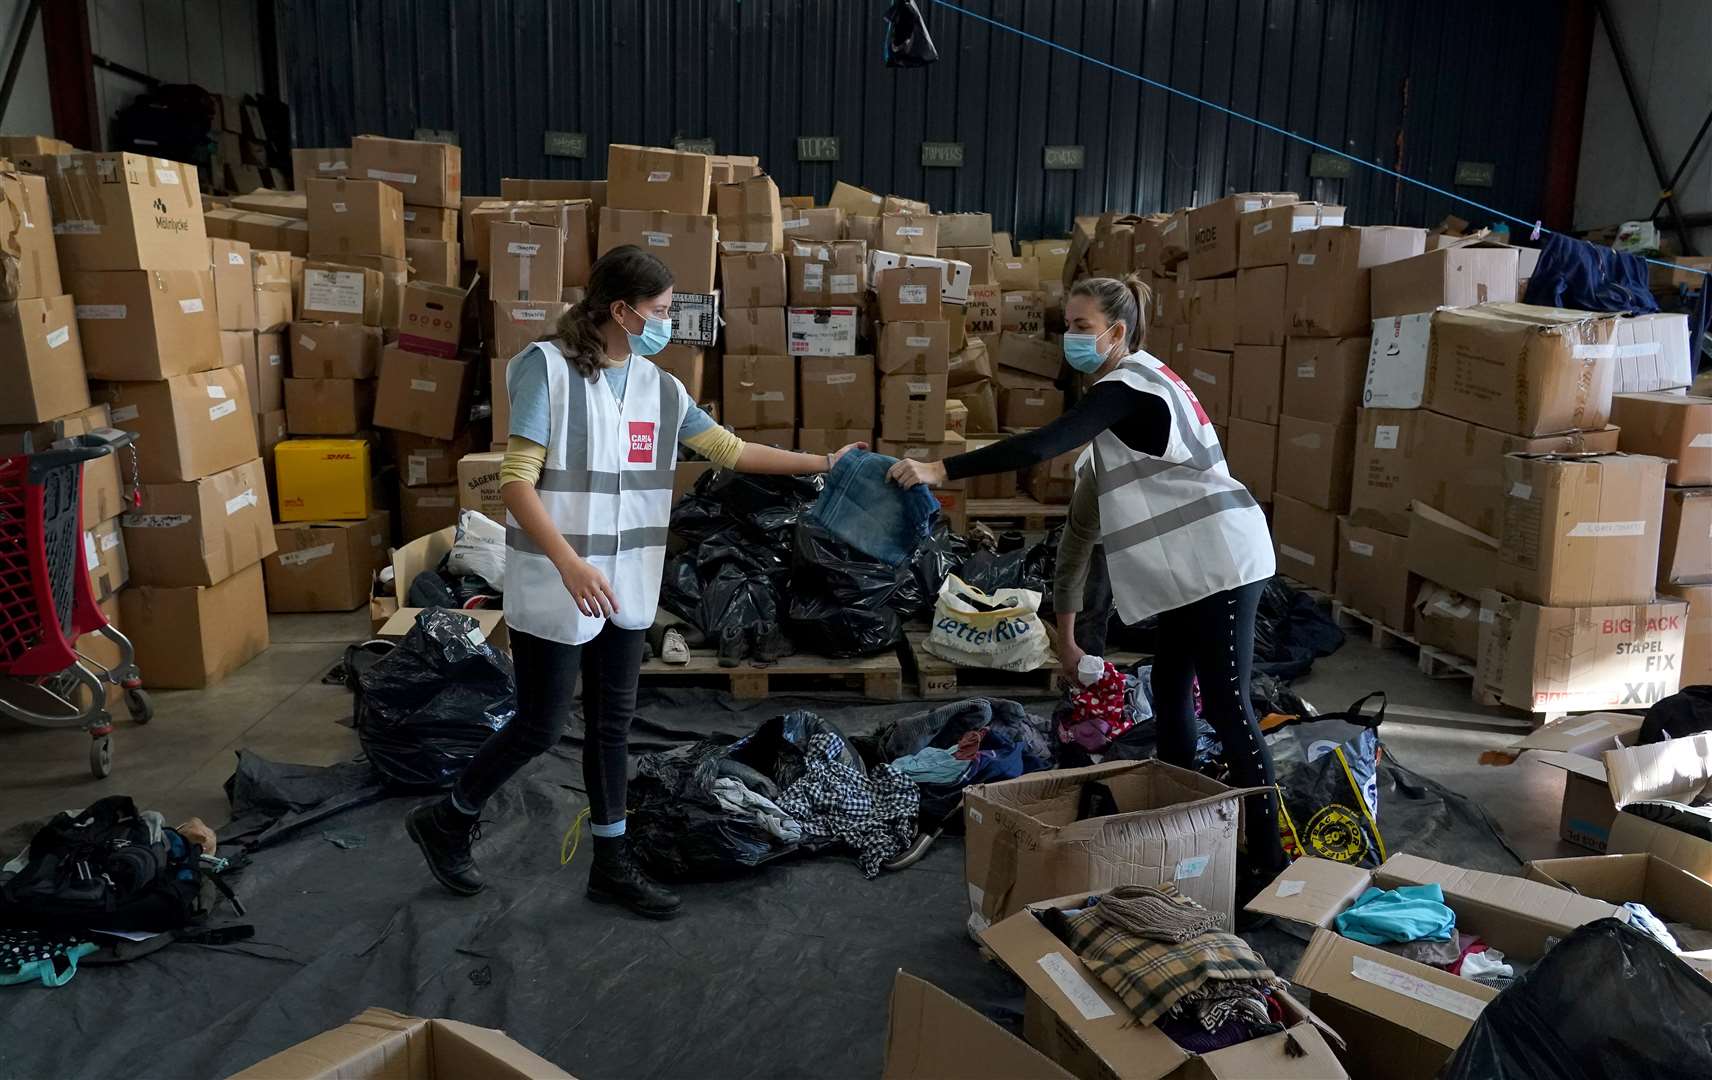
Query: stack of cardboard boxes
point(1028, 365)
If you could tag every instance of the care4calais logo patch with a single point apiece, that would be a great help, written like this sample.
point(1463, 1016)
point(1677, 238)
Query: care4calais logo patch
point(642, 442)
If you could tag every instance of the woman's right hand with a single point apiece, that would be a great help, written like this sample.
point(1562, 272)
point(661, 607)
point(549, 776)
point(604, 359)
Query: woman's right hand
point(1070, 657)
point(588, 588)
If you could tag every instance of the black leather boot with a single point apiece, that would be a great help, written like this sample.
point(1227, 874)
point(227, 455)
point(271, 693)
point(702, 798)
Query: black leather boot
point(771, 645)
point(733, 646)
point(445, 837)
point(616, 878)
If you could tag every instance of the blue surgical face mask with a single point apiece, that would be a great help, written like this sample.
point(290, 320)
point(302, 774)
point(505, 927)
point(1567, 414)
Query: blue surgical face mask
point(656, 335)
point(1082, 351)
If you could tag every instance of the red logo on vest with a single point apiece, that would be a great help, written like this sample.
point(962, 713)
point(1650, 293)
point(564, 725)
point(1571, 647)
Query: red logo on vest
point(1200, 413)
point(642, 441)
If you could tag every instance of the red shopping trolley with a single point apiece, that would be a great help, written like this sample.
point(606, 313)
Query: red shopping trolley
point(45, 602)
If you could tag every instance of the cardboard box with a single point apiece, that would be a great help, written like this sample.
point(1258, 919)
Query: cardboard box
point(831, 274)
point(1674, 771)
point(816, 331)
point(931, 1035)
point(275, 298)
point(431, 320)
point(199, 532)
point(1561, 659)
point(1034, 355)
point(526, 262)
point(324, 480)
point(909, 233)
point(778, 438)
point(1209, 375)
point(1215, 231)
point(854, 200)
point(1685, 555)
point(1213, 315)
point(765, 331)
point(1670, 893)
point(404, 1048)
point(830, 441)
point(1260, 306)
point(33, 146)
point(325, 565)
point(689, 365)
point(104, 557)
point(1026, 402)
point(1251, 453)
point(1448, 277)
point(1581, 530)
point(1020, 273)
point(428, 395)
point(238, 350)
point(1387, 468)
point(1323, 378)
point(514, 189)
point(966, 230)
point(1464, 476)
point(909, 293)
point(1326, 291)
point(1397, 359)
point(425, 173)
point(760, 392)
point(1526, 370)
point(1053, 481)
point(1577, 745)
point(355, 217)
point(915, 346)
point(1676, 427)
point(572, 218)
point(1305, 537)
point(188, 426)
point(44, 377)
point(519, 323)
point(427, 509)
point(334, 350)
point(329, 406)
point(1448, 621)
point(648, 178)
point(1373, 575)
point(820, 225)
point(336, 293)
point(970, 364)
point(1314, 461)
point(1652, 353)
point(125, 211)
point(686, 243)
point(432, 223)
point(478, 484)
point(749, 215)
point(981, 401)
point(955, 277)
point(1697, 644)
point(140, 324)
point(838, 392)
point(266, 380)
point(754, 280)
point(1023, 843)
point(190, 637)
point(292, 204)
point(1257, 383)
point(1444, 550)
point(1263, 235)
point(983, 314)
point(234, 284)
point(438, 261)
point(263, 232)
point(912, 407)
point(327, 162)
point(421, 460)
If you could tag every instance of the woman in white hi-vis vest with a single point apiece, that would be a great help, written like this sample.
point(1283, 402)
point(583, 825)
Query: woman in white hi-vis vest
point(1183, 540)
point(587, 484)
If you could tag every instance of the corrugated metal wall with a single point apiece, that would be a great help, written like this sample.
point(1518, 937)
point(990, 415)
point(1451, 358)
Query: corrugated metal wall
point(1416, 84)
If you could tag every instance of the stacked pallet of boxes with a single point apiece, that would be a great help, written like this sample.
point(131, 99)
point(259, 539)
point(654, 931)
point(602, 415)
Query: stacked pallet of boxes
point(137, 259)
point(1028, 364)
point(976, 328)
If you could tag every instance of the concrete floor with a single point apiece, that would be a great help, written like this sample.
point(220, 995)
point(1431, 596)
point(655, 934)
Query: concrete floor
point(277, 706)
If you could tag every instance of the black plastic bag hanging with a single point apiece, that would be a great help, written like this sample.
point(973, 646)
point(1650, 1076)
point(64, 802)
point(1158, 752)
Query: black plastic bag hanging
point(908, 43)
point(424, 708)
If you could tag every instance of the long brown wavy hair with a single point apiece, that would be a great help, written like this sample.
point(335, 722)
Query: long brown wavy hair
point(625, 274)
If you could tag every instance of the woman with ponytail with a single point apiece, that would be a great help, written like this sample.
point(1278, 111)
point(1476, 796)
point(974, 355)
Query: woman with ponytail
point(1183, 540)
point(587, 484)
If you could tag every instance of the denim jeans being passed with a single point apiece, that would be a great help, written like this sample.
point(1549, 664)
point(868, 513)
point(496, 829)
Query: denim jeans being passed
point(870, 513)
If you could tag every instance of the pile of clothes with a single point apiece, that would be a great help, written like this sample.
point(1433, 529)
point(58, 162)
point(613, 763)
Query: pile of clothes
point(975, 741)
point(1413, 922)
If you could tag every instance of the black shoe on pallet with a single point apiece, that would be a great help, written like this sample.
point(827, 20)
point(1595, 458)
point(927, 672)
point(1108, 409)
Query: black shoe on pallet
point(771, 645)
point(616, 878)
point(733, 646)
point(445, 840)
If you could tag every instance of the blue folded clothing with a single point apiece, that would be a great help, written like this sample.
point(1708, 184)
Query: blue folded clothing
point(1406, 913)
point(870, 513)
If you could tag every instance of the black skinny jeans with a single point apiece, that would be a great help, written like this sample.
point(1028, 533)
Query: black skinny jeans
point(546, 686)
point(1214, 638)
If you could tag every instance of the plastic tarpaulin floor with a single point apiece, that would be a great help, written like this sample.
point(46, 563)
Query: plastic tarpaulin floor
point(785, 972)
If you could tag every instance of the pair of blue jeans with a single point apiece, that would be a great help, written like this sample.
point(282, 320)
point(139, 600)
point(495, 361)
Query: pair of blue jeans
point(870, 513)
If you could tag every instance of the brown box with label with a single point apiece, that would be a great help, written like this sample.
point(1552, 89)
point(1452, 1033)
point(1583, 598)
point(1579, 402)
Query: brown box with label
point(1373, 575)
point(650, 178)
point(983, 315)
point(432, 318)
point(820, 225)
point(146, 324)
point(753, 280)
point(433, 260)
point(686, 243)
point(756, 331)
point(102, 496)
point(125, 211)
point(912, 406)
point(1685, 545)
point(1464, 473)
point(1030, 354)
point(830, 274)
point(1447, 620)
point(275, 297)
point(525, 261)
point(1677, 427)
point(189, 637)
point(424, 510)
point(1214, 231)
point(1260, 313)
point(1327, 292)
point(519, 323)
point(334, 292)
point(1213, 315)
point(234, 284)
point(1023, 313)
point(355, 217)
point(1390, 465)
point(428, 395)
point(263, 232)
point(854, 200)
point(422, 460)
point(980, 400)
point(1263, 238)
point(1251, 453)
point(1578, 659)
point(431, 223)
point(334, 350)
point(909, 293)
point(266, 379)
point(1208, 374)
point(1448, 277)
point(105, 559)
point(1323, 377)
point(1450, 553)
point(1522, 369)
point(325, 565)
point(838, 392)
point(749, 215)
point(970, 364)
point(44, 376)
point(29, 265)
point(1581, 530)
point(424, 173)
point(238, 351)
point(1306, 540)
point(690, 366)
point(479, 486)
point(1697, 642)
point(1257, 383)
point(1314, 460)
point(188, 426)
point(1026, 401)
point(909, 233)
point(760, 392)
point(915, 346)
point(200, 532)
point(1019, 273)
point(317, 406)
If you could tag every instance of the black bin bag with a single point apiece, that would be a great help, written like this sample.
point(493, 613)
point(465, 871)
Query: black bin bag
point(1607, 1003)
point(425, 707)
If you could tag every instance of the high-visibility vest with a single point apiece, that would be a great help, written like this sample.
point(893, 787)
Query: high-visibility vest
point(607, 485)
point(1178, 527)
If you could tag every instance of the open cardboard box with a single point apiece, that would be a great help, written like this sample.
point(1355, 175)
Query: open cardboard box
point(391, 620)
point(1674, 771)
point(1402, 1018)
point(1576, 745)
point(933, 1036)
point(1672, 894)
point(379, 1044)
point(1076, 1021)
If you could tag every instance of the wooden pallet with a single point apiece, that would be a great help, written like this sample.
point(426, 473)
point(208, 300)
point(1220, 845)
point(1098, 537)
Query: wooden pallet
point(938, 679)
point(1022, 512)
point(878, 677)
point(1433, 663)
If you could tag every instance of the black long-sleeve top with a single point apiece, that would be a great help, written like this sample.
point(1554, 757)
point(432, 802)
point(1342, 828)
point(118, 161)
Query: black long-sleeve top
point(1142, 420)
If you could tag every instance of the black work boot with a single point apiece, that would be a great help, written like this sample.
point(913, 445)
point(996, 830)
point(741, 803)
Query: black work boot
point(445, 837)
point(733, 646)
point(616, 878)
point(771, 645)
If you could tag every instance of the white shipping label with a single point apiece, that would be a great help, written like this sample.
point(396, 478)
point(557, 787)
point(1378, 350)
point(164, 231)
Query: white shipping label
point(1414, 987)
point(1304, 371)
point(304, 341)
point(124, 413)
point(811, 275)
point(1303, 224)
point(307, 555)
point(1016, 298)
point(1609, 528)
point(529, 314)
point(101, 311)
point(167, 176)
point(845, 283)
point(340, 208)
point(1204, 376)
point(91, 557)
point(225, 408)
point(841, 378)
point(1034, 401)
point(658, 239)
point(1455, 611)
point(528, 251)
point(1642, 348)
point(1295, 553)
point(1593, 352)
point(332, 166)
point(1263, 228)
point(155, 521)
point(427, 386)
point(1519, 490)
point(742, 247)
point(333, 290)
point(475, 637)
point(217, 392)
point(410, 215)
point(1308, 441)
point(1013, 266)
point(659, 176)
point(436, 502)
point(416, 470)
point(979, 820)
point(1385, 436)
point(1192, 868)
point(234, 259)
point(109, 541)
point(81, 227)
point(243, 500)
point(794, 223)
point(1364, 550)
point(1590, 726)
point(59, 337)
point(1699, 442)
point(910, 230)
point(1287, 889)
point(1305, 259)
point(767, 395)
point(912, 294)
point(919, 387)
point(273, 359)
point(1075, 986)
point(1487, 615)
point(190, 306)
point(1172, 225)
point(395, 177)
point(918, 342)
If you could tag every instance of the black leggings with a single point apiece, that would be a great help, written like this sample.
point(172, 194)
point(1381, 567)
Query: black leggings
point(546, 686)
point(1214, 638)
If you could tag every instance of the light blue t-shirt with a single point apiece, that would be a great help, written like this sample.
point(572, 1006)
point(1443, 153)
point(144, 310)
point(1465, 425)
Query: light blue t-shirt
point(526, 379)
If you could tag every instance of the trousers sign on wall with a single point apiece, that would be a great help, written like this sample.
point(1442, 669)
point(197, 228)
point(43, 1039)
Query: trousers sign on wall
point(817, 148)
point(942, 155)
point(693, 146)
point(572, 144)
point(1064, 157)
